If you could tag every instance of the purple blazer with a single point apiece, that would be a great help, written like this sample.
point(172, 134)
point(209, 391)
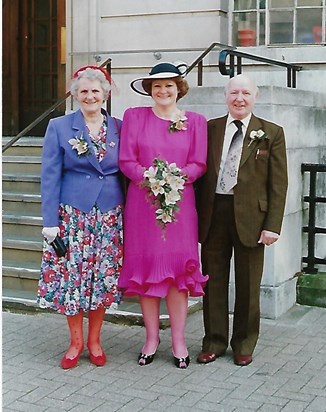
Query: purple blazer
point(78, 181)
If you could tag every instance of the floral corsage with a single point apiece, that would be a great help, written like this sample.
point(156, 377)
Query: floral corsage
point(257, 135)
point(165, 183)
point(80, 144)
point(179, 122)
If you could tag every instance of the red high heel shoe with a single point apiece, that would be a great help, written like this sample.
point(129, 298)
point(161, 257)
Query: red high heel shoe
point(99, 360)
point(67, 363)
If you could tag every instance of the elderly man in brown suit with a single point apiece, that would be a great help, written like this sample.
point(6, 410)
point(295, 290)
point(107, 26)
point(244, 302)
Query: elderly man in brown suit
point(240, 201)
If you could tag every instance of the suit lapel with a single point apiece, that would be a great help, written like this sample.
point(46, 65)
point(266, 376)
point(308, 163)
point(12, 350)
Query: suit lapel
point(218, 133)
point(254, 124)
point(81, 131)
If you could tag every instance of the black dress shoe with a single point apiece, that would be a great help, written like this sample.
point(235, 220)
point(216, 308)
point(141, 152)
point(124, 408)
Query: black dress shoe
point(181, 363)
point(242, 360)
point(207, 357)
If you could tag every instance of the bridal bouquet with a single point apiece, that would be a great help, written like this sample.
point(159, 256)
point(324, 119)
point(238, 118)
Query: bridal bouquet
point(165, 183)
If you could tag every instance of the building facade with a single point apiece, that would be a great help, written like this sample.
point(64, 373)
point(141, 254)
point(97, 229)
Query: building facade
point(58, 36)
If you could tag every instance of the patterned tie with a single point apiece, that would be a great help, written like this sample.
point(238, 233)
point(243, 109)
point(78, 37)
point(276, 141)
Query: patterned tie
point(231, 166)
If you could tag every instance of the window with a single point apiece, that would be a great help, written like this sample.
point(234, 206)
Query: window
point(263, 22)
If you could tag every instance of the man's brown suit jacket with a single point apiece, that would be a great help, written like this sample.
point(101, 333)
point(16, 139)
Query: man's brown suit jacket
point(260, 193)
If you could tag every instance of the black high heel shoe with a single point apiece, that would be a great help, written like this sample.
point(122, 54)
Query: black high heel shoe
point(181, 363)
point(144, 359)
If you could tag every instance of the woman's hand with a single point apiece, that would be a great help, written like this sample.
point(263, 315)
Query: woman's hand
point(50, 233)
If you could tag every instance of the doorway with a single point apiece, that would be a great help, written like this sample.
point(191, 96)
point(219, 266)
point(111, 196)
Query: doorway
point(33, 67)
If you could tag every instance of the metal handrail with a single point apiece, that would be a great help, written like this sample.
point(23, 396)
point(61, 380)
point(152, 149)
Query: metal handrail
point(199, 60)
point(291, 68)
point(35, 122)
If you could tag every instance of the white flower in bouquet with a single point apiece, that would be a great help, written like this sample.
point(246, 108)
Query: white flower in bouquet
point(171, 198)
point(176, 182)
point(165, 183)
point(150, 174)
point(163, 216)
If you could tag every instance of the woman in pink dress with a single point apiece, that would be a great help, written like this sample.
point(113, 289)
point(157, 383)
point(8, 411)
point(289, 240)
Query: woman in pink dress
point(160, 236)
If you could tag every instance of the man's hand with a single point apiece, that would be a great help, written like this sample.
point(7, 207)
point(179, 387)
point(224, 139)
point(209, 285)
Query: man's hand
point(50, 233)
point(268, 238)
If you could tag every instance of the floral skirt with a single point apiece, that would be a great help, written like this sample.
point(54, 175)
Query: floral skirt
point(86, 278)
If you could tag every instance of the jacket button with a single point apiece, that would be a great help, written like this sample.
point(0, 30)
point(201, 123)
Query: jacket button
point(88, 177)
point(100, 177)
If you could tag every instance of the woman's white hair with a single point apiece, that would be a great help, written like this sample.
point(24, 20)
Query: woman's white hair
point(91, 74)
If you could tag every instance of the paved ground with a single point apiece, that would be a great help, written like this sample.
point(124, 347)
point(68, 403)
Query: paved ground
point(288, 373)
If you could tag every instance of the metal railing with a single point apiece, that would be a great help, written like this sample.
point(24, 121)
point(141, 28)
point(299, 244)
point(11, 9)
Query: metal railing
point(226, 51)
point(311, 229)
point(292, 69)
point(199, 61)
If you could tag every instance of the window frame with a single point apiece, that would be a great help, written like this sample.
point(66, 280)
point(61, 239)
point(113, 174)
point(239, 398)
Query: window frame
point(267, 10)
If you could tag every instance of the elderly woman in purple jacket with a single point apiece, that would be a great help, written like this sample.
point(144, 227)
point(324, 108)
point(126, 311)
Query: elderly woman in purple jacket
point(82, 204)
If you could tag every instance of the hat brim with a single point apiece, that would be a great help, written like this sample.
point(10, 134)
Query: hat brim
point(137, 86)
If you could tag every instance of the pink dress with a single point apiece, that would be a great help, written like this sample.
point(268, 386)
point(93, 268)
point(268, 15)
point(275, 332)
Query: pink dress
point(152, 264)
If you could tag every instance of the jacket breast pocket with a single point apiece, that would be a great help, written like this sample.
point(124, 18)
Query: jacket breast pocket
point(262, 154)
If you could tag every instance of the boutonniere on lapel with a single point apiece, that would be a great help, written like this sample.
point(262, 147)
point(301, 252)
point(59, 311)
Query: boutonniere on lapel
point(80, 145)
point(257, 135)
point(178, 122)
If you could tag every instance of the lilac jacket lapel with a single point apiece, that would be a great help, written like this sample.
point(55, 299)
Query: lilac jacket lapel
point(81, 131)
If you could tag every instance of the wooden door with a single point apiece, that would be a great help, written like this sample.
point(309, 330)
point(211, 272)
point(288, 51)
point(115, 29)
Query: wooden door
point(35, 70)
point(10, 68)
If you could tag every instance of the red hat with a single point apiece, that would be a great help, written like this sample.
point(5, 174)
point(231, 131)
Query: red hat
point(81, 69)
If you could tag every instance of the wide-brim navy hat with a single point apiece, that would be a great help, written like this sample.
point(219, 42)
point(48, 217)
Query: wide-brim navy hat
point(159, 71)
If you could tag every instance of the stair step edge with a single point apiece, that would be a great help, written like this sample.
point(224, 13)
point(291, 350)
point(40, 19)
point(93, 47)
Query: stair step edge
point(21, 197)
point(22, 219)
point(21, 244)
point(14, 267)
point(19, 177)
point(21, 159)
point(26, 141)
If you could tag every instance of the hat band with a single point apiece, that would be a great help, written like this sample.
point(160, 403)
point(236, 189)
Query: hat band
point(82, 69)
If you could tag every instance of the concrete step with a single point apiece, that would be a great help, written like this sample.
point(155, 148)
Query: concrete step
point(20, 277)
point(21, 220)
point(20, 203)
point(26, 250)
point(23, 183)
point(21, 164)
point(10, 229)
point(25, 145)
point(25, 219)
